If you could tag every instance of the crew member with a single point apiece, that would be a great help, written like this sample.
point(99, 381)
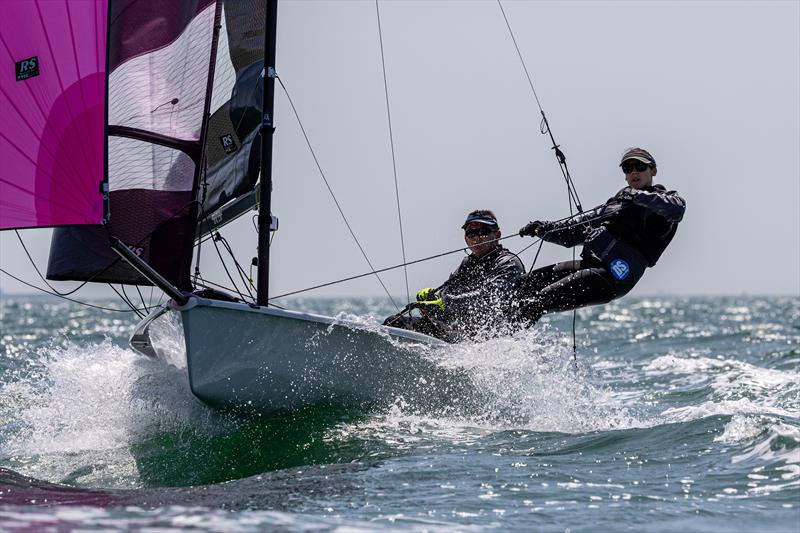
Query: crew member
point(474, 302)
point(620, 239)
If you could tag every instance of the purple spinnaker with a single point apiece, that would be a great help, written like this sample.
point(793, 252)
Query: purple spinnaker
point(52, 140)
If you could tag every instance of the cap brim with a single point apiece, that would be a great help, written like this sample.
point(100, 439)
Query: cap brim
point(641, 158)
point(479, 221)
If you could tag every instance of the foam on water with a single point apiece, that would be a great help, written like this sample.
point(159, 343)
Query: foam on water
point(528, 379)
point(739, 388)
point(529, 382)
point(87, 405)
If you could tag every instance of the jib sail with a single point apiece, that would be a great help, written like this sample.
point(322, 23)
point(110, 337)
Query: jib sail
point(162, 55)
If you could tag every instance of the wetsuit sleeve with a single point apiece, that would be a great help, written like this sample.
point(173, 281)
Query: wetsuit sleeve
point(491, 295)
point(572, 231)
point(668, 204)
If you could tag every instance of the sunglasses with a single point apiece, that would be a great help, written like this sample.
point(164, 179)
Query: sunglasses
point(482, 232)
point(627, 168)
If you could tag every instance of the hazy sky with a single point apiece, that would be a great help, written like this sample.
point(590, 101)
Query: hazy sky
point(712, 89)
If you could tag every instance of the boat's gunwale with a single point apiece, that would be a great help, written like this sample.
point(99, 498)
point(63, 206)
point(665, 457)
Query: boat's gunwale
point(197, 301)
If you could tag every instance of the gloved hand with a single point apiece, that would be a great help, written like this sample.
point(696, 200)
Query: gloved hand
point(426, 295)
point(530, 228)
point(438, 302)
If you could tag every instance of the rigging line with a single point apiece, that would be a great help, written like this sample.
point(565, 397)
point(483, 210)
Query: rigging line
point(230, 251)
point(141, 297)
point(126, 299)
point(540, 242)
point(545, 125)
point(225, 266)
point(384, 269)
point(239, 269)
point(56, 291)
point(530, 82)
point(330, 190)
point(391, 144)
point(211, 285)
point(64, 297)
point(123, 297)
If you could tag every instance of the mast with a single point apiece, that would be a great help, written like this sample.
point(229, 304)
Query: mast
point(267, 131)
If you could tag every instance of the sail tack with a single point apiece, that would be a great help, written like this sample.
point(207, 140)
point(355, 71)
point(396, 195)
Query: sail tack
point(52, 162)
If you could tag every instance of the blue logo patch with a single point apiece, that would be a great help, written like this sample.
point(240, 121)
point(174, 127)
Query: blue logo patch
point(620, 269)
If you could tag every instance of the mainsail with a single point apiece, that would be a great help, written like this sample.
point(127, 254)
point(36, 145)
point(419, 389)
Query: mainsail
point(175, 133)
point(52, 169)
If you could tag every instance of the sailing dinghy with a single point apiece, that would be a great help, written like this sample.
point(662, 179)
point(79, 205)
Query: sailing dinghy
point(138, 128)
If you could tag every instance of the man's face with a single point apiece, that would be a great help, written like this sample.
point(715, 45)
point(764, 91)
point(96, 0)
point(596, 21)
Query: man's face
point(638, 174)
point(481, 238)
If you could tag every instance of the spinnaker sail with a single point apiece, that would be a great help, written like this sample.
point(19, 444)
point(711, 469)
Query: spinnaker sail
point(52, 161)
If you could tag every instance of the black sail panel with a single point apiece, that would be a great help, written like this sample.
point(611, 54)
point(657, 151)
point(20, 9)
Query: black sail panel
point(233, 149)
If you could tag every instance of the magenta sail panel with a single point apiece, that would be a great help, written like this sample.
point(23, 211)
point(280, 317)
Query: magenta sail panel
point(52, 140)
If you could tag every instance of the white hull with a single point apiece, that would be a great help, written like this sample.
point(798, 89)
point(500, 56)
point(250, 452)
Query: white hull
point(267, 360)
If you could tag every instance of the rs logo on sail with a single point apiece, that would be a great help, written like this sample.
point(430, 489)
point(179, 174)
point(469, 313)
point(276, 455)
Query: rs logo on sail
point(228, 144)
point(138, 250)
point(27, 68)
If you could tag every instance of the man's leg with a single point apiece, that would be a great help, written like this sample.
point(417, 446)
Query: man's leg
point(588, 286)
point(532, 283)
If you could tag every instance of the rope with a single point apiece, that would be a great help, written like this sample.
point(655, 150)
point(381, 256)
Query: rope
point(124, 298)
point(391, 143)
point(65, 297)
point(385, 269)
point(225, 266)
point(330, 190)
point(242, 275)
point(436, 256)
point(544, 128)
point(55, 291)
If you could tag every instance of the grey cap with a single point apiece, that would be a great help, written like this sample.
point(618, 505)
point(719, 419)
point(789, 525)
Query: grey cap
point(640, 154)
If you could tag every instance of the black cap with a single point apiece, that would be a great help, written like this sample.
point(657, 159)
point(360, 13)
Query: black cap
point(482, 217)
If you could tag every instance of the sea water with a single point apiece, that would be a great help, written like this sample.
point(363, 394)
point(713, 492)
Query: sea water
point(676, 414)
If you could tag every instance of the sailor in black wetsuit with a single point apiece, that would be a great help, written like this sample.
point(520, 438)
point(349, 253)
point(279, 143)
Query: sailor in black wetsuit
point(620, 239)
point(474, 301)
